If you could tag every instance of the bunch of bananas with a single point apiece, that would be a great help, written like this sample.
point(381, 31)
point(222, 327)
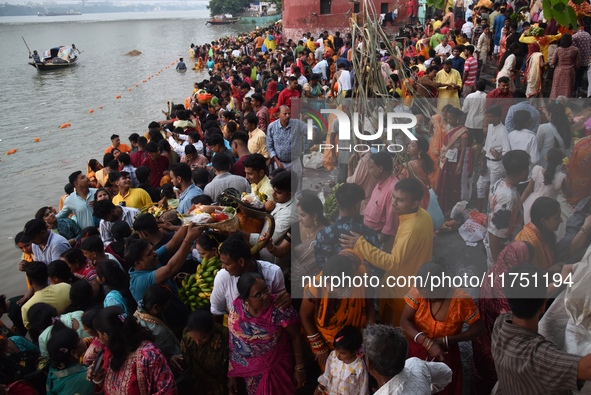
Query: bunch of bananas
point(196, 289)
point(330, 204)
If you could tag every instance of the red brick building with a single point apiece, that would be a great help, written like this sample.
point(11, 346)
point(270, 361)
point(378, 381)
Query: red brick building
point(316, 16)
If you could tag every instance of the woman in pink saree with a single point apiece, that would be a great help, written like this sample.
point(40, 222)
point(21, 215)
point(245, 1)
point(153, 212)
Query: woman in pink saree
point(492, 303)
point(263, 341)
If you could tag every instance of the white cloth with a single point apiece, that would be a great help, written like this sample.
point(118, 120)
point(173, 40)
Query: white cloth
point(440, 49)
point(525, 140)
point(302, 80)
point(541, 189)
point(129, 214)
point(495, 172)
point(198, 145)
point(418, 378)
point(497, 138)
point(284, 214)
point(467, 29)
point(547, 136)
point(341, 378)
point(178, 148)
point(225, 289)
point(344, 81)
point(224, 181)
point(473, 107)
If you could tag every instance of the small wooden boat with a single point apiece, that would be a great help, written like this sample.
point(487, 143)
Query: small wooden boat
point(57, 58)
point(45, 66)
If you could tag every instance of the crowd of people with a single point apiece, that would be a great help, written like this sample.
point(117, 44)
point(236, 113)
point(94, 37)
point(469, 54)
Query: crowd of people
point(103, 314)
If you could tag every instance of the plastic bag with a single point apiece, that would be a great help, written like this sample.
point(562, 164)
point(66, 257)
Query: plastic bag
point(253, 200)
point(458, 209)
point(472, 231)
point(313, 160)
point(435, 211)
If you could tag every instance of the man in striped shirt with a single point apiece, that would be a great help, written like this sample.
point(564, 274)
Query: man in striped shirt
point(525, 361)
point(470, 71)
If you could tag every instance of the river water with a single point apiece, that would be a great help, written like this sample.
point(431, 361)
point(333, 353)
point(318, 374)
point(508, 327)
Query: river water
point(34, 104)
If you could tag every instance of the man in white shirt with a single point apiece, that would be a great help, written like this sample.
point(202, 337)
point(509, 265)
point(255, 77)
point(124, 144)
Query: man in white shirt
point(236, 52)
point(443, 49)
point(524, 139)
point(473, 107)
point(236, 260)
point(109, 214)
point(297, 72)
point(386, 352)
point(496, 145)
point(468, 27)
point(323, 68)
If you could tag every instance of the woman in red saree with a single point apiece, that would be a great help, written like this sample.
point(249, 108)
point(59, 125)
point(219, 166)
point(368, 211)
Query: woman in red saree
point(434, 321)
point(451, 162)
point(491, 304)
point(132, 364)
point(420, 166)
point(271, 88)
point(412, 8)
point(263, 341)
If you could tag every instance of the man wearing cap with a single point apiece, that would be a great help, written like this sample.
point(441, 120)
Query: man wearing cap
point(79, 203)
point(47, 246)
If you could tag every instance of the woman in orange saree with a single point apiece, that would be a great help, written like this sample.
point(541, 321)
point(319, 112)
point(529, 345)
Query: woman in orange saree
point(92, 167)
point(545, 220)
point(433, 322)
point(324, 313)
point(580, 170)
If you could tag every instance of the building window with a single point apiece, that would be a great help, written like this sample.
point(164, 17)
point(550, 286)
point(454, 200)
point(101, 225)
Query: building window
point(325, 7)
point(384, 8)
point(356, 7)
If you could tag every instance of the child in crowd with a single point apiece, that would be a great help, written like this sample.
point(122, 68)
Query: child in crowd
point(345, 372)
point(95, 348)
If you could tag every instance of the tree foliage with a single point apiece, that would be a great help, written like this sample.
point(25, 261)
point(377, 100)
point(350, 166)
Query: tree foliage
point(220, 7)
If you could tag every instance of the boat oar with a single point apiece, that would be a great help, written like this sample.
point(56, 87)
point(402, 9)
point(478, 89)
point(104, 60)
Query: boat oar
point(31, 55)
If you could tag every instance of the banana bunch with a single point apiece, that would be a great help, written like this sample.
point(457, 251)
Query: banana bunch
point(330, 204)
point(196, 289)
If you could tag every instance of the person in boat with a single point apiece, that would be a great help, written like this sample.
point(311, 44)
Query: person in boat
point(36, 57)
point(181, 65)
point(75, 50)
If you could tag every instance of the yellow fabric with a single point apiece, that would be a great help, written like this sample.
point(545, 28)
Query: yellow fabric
point(263, 186)
point(136, 197)
point(544, 42)
point(413, 247)
point(421, 67)
point(310, 45)
point(437, 24)
point(257, 143)
point(448, 96)
point(57, 295)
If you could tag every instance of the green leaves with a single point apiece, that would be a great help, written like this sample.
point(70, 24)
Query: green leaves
point(219, 7)
point(436, 4)
point(561, 11)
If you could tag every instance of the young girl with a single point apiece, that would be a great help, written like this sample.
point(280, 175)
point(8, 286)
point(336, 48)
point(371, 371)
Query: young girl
point(95, 347)
point(345, 371)
point(546, 182)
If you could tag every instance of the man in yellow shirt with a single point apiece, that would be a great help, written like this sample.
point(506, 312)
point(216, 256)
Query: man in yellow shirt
point(448, 94)
point(544, 42)
point(55, 295)
point(413, 247)
point(257, 139)
point(132, 197)
point(254, 168)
